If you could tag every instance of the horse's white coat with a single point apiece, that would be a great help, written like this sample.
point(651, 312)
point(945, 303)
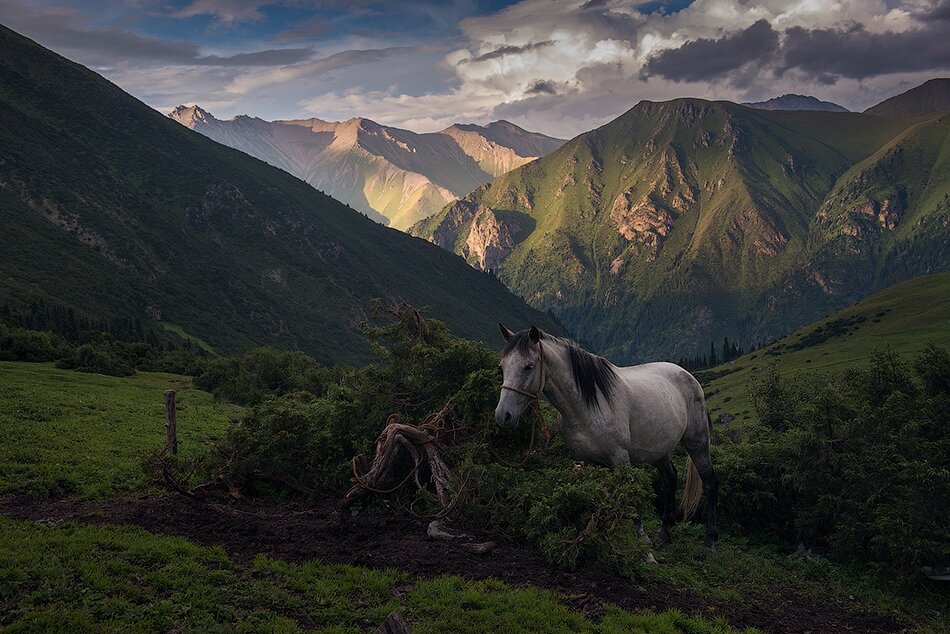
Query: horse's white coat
point(652, 408)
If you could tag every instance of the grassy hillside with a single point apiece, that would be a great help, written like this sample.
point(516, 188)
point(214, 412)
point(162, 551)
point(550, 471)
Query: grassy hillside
point(680, 223)
point(115, 210)
point(931, 96)
point(65, 432)
point(91, 430)
point(905, 317)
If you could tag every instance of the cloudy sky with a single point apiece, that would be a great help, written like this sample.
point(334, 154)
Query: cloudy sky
point(557, 66)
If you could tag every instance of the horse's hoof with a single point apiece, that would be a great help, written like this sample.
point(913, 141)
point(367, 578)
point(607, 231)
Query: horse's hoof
point(664, 536)
point(711, 545)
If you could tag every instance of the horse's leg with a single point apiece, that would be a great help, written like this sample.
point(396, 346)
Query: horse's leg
point(667, 496)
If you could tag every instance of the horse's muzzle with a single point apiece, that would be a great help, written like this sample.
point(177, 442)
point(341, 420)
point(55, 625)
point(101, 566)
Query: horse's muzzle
point(505, 418)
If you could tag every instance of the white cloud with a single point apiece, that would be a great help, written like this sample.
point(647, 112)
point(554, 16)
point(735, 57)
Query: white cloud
point(593, 58)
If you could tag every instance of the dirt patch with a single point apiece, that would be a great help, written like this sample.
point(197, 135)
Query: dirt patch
point(319, 530)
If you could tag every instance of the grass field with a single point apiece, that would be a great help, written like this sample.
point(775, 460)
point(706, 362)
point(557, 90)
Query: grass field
point(84, 435)
point(906, 317)
point(76, 578)
point(69, 433)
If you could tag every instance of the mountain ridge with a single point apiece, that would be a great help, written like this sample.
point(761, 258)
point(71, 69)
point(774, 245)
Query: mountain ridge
point(931, 96)
point(112, 209)
point(684, 221)
point(792, 101)
point(394, 176)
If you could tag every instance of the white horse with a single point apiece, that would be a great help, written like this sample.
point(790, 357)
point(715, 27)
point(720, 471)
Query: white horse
point(616, 416)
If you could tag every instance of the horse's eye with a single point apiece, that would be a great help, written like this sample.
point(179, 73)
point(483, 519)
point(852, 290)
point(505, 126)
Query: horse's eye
point(529, 367)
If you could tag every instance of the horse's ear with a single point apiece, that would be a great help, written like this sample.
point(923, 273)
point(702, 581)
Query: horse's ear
point(507, 334)
point(535, 335)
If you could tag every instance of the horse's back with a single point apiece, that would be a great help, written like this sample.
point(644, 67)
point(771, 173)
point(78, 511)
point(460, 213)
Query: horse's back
point(663, 375)
point(661, 400)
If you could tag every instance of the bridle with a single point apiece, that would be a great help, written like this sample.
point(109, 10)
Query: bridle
point(537, 395)
point(535, 412)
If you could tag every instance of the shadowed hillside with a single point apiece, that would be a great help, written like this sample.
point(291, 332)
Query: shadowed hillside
point(114, 210)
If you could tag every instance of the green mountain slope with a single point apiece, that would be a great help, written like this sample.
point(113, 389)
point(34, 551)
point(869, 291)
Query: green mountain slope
point(905, 317)
point(931, 96)
point(682, 222)
point(394, 176)
point(113, 209)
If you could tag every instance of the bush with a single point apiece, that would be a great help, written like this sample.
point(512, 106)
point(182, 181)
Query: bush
point(20, 344)
point(261, 372)
point(858, 462)
point(304, 440)
point(572, 512)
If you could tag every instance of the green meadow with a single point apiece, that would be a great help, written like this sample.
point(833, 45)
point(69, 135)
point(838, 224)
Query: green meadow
point(71, 433)
point(905, 317)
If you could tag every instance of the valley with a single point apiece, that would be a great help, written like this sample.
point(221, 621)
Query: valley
point(353, 443)
point(113, 210)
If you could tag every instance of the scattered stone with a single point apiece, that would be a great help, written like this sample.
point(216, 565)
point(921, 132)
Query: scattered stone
point(479, 548)
point(437, 531)
point(393, 625)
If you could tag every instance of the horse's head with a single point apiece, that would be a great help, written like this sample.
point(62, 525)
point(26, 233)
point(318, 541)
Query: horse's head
point(522, 367)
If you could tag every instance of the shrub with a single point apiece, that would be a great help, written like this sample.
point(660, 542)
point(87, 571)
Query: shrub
point(304, 440)
point(858, 462)
point(263, 371)
point(20, 344)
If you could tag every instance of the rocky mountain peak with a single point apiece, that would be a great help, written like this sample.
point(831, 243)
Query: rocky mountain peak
point(191, 116)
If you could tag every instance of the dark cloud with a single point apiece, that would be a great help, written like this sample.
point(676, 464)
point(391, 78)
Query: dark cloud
point(706, 59)
point(824, 55)
point(542, 88)
point(856, 53)
point(509, 50)
point(938, 13)
point(68, 32)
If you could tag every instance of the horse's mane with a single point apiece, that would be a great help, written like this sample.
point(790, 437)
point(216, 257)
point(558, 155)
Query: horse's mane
point(590, 372)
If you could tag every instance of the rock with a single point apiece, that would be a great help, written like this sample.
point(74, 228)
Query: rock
point(479, 548)
point(393, 625)
point(437, 531)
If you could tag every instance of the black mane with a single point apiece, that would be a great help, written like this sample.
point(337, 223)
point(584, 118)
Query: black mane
point(590, 372)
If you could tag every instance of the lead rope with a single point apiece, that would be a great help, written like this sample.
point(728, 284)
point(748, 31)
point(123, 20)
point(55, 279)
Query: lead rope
point(536, 414)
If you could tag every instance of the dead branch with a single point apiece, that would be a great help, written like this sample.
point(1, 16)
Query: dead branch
point(420, 443)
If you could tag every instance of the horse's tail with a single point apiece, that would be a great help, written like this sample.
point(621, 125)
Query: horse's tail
point(693, 489)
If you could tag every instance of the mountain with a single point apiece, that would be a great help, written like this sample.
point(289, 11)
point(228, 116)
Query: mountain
point(931, 96)
point(796, 102)
point(905, 318)
point(114, 210)
point(394, 176)
point(683, 222)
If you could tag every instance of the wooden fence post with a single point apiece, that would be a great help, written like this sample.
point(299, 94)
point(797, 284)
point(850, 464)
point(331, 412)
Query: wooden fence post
point(171, 433)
